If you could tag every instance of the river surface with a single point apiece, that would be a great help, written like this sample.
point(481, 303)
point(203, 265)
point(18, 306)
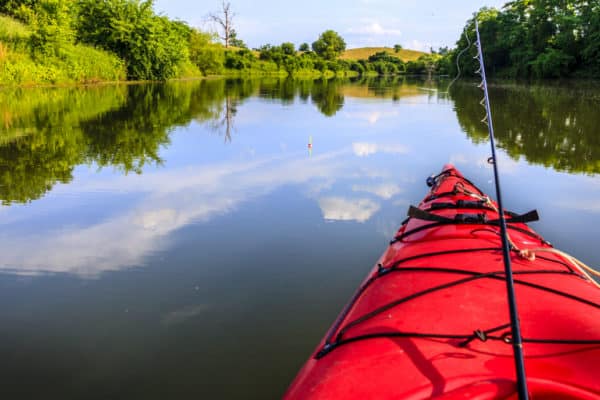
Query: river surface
point(185, 241)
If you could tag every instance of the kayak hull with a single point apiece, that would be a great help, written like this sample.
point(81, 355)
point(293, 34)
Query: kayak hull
point(431, 319)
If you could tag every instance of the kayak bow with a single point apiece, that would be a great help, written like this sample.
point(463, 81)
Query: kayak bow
point(431, 319)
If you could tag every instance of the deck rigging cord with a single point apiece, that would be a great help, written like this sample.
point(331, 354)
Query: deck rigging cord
point(530, 254)
point(517, 340)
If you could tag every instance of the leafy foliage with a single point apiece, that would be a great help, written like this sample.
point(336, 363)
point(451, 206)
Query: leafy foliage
point(151, 45)
point(21, 63)
point(536, 39)
point(329, 45)
point(128, 34)
point(205, 52)
point(234, 41)
point(52, 22)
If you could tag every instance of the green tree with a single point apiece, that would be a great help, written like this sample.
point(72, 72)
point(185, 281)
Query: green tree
point(397, 48)
point(152, 46)
point(20, 9)
point(205, 52)
point(52, 24)
point(304, 47)
point(536, 38)
point(235, 41)
point(288, 48)
point(329, 45)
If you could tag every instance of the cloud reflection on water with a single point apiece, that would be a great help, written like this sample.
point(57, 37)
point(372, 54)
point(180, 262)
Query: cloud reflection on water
point(171, 199)
point(341, 209)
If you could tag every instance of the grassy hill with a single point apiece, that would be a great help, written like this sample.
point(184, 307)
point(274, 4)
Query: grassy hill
point(363, 53)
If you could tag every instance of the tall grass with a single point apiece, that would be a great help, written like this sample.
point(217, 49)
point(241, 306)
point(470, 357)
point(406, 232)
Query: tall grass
point(75, 63)
point(11, 29)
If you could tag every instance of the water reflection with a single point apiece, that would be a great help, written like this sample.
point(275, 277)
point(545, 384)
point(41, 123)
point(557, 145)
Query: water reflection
point(553, 126)
point(128, 128)
point(171, 199)
point(46, 133)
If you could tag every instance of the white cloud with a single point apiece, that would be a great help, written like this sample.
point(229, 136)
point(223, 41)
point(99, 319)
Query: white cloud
point(364, 149)
point(418, 45)
point(371, 117)
point(374, 28)
point(385, 190)
point(167, 200)
point(340, 209)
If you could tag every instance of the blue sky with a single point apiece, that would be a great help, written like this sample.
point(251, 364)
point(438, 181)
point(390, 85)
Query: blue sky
point(415, 24)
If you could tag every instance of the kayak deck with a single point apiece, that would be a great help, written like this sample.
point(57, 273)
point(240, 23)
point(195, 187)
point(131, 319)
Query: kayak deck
point(431, 319)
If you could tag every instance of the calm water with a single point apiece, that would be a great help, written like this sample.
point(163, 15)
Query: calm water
point(182, 240)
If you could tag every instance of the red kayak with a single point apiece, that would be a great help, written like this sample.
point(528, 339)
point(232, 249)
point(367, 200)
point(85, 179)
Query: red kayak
point(431, 320)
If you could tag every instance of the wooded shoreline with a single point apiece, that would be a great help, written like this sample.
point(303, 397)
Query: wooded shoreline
point(66, 42)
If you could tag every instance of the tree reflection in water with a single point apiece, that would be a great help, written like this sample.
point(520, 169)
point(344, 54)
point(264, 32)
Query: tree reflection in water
point(46, 132)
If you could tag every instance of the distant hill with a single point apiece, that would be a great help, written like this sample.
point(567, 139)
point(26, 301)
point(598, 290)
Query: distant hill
point(363, 53)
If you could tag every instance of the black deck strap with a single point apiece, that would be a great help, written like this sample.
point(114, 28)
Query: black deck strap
point(476, 204)
point(415, 212)
point(470, 204)
point(439, 220)
point(530, 216)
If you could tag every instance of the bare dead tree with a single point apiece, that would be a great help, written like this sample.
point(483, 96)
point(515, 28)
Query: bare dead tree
point(224, 19)
point(224, 122)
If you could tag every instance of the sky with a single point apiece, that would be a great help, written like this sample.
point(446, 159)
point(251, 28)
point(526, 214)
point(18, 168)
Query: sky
point(415, 24)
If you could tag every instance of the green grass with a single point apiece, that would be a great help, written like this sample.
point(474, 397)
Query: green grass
point(11, 29)
point(364, 53)
point(73, 63)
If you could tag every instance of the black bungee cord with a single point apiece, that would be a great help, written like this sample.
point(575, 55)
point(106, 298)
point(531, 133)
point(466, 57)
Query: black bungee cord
point(517, 340)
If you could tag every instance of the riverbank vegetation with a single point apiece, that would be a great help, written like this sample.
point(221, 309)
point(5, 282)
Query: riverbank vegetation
point(535, 39)
point(87, 41)
point(83, 41)
point(25, 58)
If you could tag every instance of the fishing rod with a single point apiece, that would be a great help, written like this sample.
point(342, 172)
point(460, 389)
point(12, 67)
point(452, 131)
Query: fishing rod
point(517, 340)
